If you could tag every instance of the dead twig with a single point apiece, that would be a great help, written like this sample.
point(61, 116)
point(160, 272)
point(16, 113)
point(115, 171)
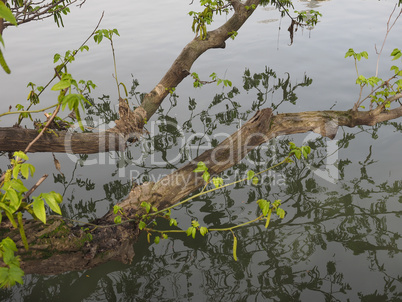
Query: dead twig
point(38, 183)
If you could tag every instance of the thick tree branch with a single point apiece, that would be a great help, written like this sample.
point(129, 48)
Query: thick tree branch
point(182, 65)
point(14, 139)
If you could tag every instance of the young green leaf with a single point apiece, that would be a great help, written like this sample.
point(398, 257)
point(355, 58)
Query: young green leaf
point(117, 220)
point(116, 209)
point(38, 206)
point(250, 174)
point(11, 275)
point(142, 225)
point(6, 13)
point(15, 200)
point(203, 231)
point(206, 176)
point(172, 222)
point(52, 201)
point(195, 223)
point(255, 181)
point(20, 155)
point(201, 167)
point(27, 169)
point(280, 212)
point(217, 181)
point(396, 53)
point(189, 231)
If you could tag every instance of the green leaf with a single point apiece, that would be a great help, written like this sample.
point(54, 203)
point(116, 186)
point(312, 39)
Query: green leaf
point(52, 202)
point(116, 209)
point(306, 151)
point(255, 181)
point(20, 155)
point(63, 84)
point(3, 62)
point(72, 100)
point(16, 170)
point(117, 220)
point(157, 239)
point(206, 176)
point(15, 200)
point(8, 244)
point(189, 231)
point(9, 276)
point(18, 185)
point(7, 210)
point(201, 167)
point(250, 174)
point(56, 57)
point(217, 181)
point(349, 53)
point(27, 169)
point(6, 13)
point(146, 205)
point(203, 231)
point(142, 225)
point(38, 206)
point(264, 206)
point(292, 146)
point(172, 222)
point(396, 53)
point(280, 212)
point(297, 153)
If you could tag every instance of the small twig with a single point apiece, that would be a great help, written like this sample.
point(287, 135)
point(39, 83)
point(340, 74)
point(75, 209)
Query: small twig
point(385, 38)
point(38, 183)
point(44, 128)
point(73, 55)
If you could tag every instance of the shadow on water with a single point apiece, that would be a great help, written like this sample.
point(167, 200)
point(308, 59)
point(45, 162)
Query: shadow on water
point(338, 241)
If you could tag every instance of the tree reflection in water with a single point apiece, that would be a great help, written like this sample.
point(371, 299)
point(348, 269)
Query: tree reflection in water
point(338, 242)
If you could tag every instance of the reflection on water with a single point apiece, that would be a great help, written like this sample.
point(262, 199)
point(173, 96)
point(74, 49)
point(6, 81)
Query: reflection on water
point(338, 242)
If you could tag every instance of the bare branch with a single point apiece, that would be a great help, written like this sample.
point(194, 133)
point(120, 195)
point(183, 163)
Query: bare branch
point(38, 183)
point(386, 35)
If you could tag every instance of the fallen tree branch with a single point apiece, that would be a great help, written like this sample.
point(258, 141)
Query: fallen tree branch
point(14, 139)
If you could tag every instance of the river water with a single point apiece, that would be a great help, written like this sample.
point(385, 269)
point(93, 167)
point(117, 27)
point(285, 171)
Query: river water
point(340, 239)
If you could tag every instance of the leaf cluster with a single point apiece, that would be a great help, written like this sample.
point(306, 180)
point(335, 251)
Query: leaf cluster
point(12, 204)
point(11, 272)
point(204, 18)
point(381, 89)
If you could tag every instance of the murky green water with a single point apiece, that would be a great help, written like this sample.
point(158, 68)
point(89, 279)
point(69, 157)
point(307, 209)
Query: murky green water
point(340, 238)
